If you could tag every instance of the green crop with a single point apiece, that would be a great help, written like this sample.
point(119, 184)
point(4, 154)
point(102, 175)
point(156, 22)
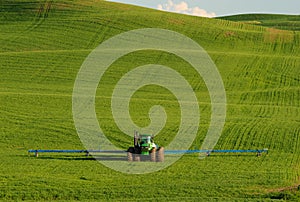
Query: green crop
point(44, 43)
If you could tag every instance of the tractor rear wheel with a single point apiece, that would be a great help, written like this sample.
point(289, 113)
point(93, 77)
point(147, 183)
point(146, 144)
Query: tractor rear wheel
point(160, 154)
point(153, 155)
point(130, 152)
point(129, 156)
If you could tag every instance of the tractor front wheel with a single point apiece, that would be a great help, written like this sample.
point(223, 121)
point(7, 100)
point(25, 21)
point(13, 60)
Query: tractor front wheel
point(137, 157)
point(153, 155)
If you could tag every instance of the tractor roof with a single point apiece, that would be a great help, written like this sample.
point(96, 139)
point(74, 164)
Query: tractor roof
point(145, 135)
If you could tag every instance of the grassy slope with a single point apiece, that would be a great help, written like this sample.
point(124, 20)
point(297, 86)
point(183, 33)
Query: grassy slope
point(285, 22)
point(41, 52)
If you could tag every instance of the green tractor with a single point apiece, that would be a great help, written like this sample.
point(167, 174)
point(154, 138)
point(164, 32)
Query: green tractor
point(145, 149)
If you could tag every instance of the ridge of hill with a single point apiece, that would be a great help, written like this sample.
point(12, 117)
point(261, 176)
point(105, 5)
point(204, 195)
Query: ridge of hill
point(277, 21)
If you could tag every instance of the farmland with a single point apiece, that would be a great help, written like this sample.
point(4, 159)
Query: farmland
point(43, 45)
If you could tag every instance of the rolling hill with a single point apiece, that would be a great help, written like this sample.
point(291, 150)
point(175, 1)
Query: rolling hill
point(43, 45)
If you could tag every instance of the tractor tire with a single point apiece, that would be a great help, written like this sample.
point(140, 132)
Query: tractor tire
point(129, 156)
point(137, 157)
point(153, 155)
point(160, 154)
point(130, 153)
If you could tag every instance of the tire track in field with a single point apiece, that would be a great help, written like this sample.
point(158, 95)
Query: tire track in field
point(210, 52)
point(39, 121)
point(107, 97)
point(41, 15)
point(274, 97)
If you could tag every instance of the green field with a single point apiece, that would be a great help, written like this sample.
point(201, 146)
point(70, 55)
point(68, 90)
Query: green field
point(43, 45)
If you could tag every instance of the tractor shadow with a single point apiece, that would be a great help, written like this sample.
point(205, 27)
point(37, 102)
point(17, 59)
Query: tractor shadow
point(82, 158)
point(233, 155)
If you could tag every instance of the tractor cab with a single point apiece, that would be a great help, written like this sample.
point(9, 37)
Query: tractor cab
point(146, 144)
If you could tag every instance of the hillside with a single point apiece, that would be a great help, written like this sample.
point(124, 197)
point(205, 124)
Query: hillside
point(285, 22)
point(42, 47)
